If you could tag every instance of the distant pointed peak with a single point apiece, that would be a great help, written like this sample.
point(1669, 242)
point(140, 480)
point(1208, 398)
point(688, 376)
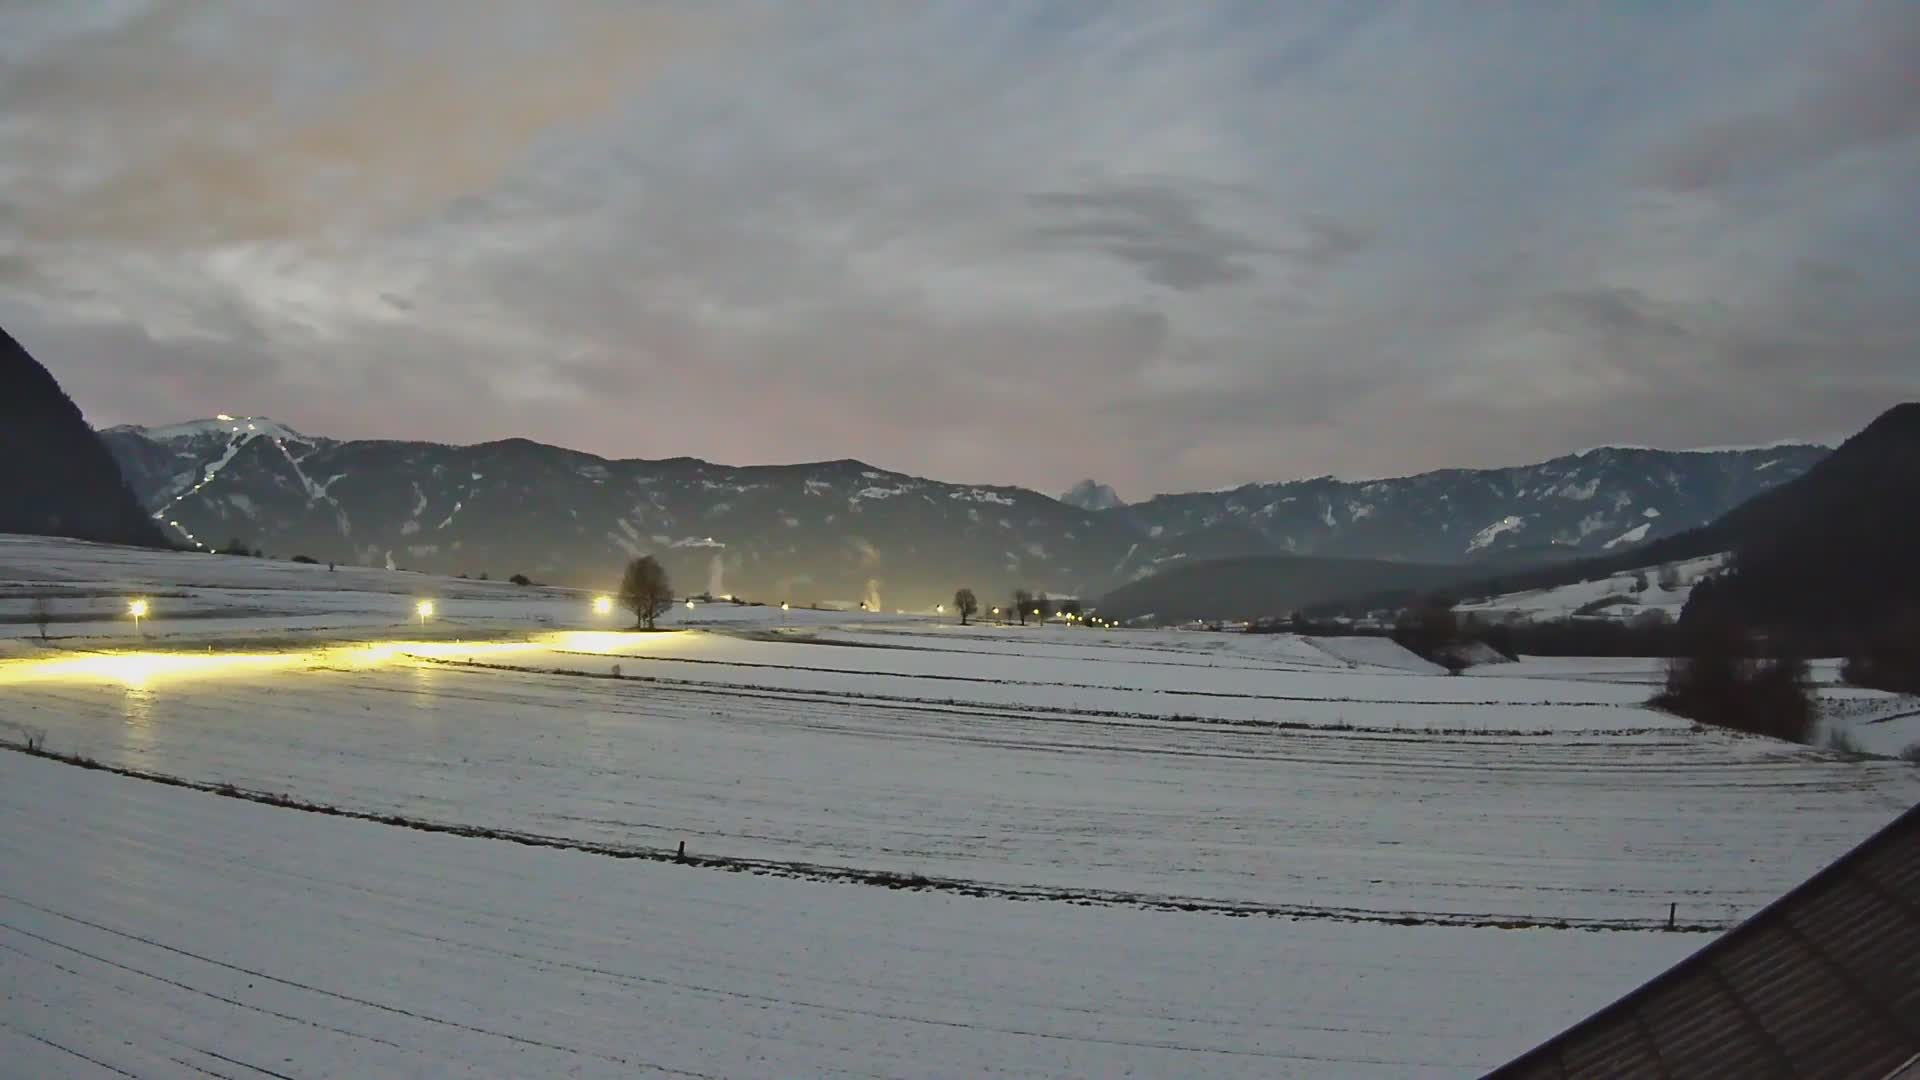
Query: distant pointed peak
point(1089, 495)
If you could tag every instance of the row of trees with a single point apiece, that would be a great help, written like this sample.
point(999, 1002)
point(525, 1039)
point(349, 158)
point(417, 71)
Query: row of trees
point(1025, 604)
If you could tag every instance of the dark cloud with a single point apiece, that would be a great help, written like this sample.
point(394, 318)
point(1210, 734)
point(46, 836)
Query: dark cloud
point(1157, 229)
point(1164, 231)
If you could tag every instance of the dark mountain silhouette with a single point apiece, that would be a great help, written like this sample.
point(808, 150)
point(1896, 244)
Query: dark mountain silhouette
point(1827, 555)
point(1831, 553)
point(56, 477)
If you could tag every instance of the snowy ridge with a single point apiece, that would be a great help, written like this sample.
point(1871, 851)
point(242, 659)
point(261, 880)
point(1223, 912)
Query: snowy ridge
point(548, 512)
point(246, 426)
point(1635, 593)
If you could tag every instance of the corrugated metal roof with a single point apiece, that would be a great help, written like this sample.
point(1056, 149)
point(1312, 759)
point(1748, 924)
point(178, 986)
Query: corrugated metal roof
point(1823, 982)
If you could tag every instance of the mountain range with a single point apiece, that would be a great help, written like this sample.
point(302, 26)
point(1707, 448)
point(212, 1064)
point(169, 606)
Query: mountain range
point(845, 532)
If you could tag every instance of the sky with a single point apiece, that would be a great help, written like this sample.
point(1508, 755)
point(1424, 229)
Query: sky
point(1168, 246)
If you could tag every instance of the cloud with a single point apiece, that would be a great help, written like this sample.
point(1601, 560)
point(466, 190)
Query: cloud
point(1857, 92)
point(185, 123)
point(1168, 246)
point(1162, 229)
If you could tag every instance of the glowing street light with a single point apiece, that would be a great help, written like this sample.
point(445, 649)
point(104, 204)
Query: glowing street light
point(137, 609)
point(689, 605)
point(603, 605)
point(939, 609)
point(425, 610)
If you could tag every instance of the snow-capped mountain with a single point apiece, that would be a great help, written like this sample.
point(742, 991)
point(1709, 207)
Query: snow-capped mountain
point(1087, 495)
point(844, 530)
point(1592, 502)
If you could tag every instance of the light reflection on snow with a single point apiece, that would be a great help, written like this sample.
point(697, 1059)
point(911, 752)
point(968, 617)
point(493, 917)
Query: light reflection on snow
point(138, 670)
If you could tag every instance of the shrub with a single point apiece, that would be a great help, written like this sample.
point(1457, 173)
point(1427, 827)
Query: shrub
point(521, 579)
point(1428, 631)
point(307, 559)
point(1841, 741)
point(1716, 683)
point(1911, 753)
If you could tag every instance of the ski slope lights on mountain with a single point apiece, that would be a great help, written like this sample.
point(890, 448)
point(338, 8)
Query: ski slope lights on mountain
point(1016, 849)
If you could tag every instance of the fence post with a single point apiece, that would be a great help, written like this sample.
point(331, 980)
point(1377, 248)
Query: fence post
point(1672, 909)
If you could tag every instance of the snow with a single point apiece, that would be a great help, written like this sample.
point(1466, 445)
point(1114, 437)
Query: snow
point(1373, 651)
point(1581, 492)
point(226, 425)
point(163, 932)
point(1488, 535)
point(1562, 601)
point(1876, 721)
point(1631, 536)
point(981, 495)
point(1085, 807)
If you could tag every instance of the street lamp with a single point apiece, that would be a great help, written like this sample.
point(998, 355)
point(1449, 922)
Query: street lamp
point(425, 610)
point(689, 605)
point(603, 605)
point(137, 609)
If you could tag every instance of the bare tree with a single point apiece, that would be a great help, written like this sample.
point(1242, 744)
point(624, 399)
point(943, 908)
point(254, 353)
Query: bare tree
point(965, 603)
point(1022, 603)
point(1669, 577)
point(645, 590)
point(42, 612)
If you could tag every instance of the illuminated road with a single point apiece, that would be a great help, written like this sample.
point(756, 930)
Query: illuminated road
point(145, 667)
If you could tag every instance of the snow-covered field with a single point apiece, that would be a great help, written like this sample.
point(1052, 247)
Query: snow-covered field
point(162, 932)
point(1432, 873)
point(1875, 721)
